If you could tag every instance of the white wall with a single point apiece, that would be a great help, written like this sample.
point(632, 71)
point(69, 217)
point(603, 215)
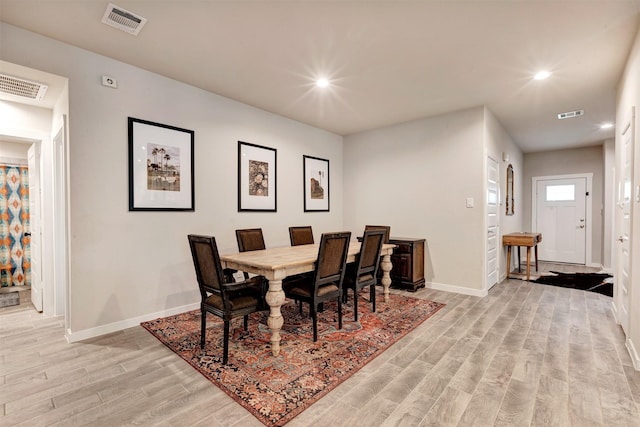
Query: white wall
point(629, 96)
point(565, 162)
point(129, 266)
point(20, 119)
point(415, 177)
point(13, 151)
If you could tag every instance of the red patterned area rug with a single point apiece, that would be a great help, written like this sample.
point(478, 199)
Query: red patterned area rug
point(276, 389)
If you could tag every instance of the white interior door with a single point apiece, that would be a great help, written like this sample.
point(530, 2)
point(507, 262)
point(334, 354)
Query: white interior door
point(623, 276)
point(493, 185)
point(561, 217)
point(35, 220)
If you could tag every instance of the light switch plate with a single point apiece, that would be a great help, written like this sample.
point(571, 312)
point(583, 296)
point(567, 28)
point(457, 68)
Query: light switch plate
point(469, 202)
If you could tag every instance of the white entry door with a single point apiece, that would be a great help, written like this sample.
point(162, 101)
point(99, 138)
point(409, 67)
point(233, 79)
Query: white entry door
point(561, 217)
point(33, 159)
point(623, 204)
point(493, 185)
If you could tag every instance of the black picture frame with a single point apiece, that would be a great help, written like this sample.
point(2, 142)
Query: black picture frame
point(316, 184)
point(161, 167)
point(257, 178)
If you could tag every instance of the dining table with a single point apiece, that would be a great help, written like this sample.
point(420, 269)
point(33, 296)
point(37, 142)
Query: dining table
point(277, 263)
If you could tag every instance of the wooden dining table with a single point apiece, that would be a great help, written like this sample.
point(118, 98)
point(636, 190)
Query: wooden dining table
point(277, 263)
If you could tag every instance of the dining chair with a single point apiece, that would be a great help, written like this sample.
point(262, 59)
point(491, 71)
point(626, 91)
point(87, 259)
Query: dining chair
point(364, 271)
point(250, 239)
point(386, 228)
point(219, 297)
point(326, 282)
point(302, 235)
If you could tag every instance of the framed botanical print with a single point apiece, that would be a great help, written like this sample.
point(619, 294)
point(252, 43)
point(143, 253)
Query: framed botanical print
point(160, 167)
point(257, 186)
point(316, 184)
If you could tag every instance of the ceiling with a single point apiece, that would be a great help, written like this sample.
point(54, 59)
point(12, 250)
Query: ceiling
point(387, 61)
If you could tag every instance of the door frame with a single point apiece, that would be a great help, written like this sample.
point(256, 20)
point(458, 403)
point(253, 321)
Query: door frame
point(588, 208)
point(51, 286)
point(35, 218)
point(497, 232)
point(61, 221)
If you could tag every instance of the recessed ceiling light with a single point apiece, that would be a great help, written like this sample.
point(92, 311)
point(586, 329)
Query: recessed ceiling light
point(541, 75)
point(322, 82)
point(606, 126)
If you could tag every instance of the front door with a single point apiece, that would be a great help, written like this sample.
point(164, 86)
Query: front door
point(33, 160)
point(561, 217)
point(623, 206)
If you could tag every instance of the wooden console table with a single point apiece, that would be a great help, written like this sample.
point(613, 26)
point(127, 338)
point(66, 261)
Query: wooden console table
point(529, 240)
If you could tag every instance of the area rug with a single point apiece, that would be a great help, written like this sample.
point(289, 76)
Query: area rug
point(276, 389)
point(601, 283)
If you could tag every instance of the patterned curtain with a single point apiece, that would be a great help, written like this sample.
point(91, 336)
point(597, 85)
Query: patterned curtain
point(15, 257)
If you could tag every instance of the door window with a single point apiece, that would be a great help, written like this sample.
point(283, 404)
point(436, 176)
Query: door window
point(560, 193)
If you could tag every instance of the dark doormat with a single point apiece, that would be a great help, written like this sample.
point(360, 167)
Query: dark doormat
point(601, 283)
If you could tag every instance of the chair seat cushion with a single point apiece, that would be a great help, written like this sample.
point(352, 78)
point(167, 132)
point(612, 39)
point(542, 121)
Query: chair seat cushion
point(348, 281)
point(365, 278)
point(306, 291)
point(237, 303)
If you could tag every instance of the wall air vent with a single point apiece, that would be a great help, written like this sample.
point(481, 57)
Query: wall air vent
point(570, 114)
point(22, 88)
point(122, 19)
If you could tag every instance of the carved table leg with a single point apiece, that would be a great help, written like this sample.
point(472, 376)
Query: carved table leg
point(386, 266)
point(275, 298)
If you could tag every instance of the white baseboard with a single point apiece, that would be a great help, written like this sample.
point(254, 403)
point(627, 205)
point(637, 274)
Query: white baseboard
point(634, 354)
point(457, 289)
point(594, 264)
point(124, 324)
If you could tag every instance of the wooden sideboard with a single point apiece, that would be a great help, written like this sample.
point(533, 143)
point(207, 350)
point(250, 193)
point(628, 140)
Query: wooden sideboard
point(408, 263)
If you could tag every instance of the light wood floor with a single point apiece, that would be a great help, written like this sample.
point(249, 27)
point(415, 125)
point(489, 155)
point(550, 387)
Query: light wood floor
point(526, 355)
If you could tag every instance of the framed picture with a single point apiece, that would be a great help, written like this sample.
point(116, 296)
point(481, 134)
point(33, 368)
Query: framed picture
point(257, 186)
point(160, 167)
point(316, 184)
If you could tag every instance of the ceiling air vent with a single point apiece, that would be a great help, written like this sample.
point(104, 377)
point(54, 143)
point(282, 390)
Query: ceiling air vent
point(22, 88)
point(570, 114)
point(122, 19)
